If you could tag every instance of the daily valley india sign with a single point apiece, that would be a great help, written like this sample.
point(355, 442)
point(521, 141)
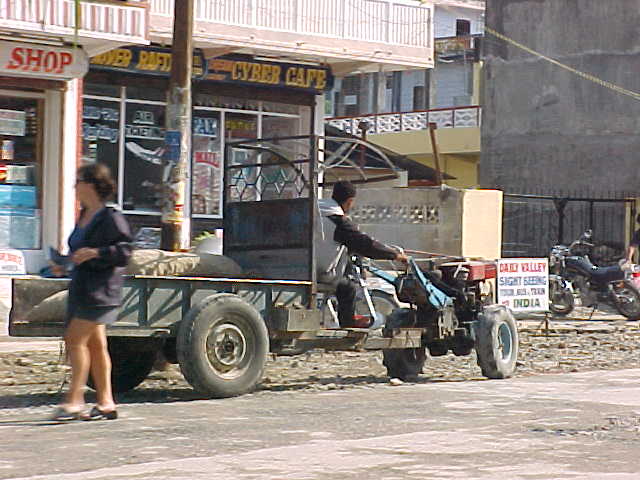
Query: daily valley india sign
point(523, 284)
point(231, 69)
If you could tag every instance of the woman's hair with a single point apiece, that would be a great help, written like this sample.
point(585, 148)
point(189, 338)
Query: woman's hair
point(99, 176)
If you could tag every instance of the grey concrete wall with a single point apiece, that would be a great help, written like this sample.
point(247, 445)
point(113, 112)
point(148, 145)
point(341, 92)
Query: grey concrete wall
point(547, 130)
point(425, 219)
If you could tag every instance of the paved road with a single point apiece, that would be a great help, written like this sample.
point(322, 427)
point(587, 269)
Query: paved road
point(573, 426)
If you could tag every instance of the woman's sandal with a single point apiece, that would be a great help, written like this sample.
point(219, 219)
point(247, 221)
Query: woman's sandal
point(61, 414)
point(97, 414)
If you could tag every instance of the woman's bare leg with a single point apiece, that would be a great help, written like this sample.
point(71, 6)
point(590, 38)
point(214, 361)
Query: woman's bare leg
point(101, 368)
point(76, 339)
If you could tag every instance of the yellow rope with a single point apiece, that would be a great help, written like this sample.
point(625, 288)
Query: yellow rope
point(586, 76)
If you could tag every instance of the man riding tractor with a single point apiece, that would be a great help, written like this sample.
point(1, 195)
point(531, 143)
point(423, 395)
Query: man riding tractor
point(339, 237)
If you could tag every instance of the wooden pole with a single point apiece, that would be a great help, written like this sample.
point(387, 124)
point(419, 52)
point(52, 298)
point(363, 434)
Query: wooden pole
point(176, 212)
point(434, 148)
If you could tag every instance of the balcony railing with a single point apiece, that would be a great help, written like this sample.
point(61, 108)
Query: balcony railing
point(409, 121)
point(109, 20)
point(314, 27)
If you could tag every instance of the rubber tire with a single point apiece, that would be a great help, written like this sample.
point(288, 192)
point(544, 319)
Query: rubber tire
point(630, 315)
point(403, 363)
point(131, 362)
point(567, 300)
point(492, 360)
point(192, 345)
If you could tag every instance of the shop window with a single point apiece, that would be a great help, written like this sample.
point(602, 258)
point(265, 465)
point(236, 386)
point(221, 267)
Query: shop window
point(219, 101)
point(239, 127)
point(20, 172)
point(143, 150)
point(146, 93)
point(101, 133)
point(276, 107)
point(101, 90)
point(207, 163)
point(463, 28)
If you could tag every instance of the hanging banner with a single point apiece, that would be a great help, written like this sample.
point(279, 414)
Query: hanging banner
point(523, 284)
point(42, 61)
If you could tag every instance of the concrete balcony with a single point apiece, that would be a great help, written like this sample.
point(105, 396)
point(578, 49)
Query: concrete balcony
point(350, 35)
point(457, 137)
point(98, 25)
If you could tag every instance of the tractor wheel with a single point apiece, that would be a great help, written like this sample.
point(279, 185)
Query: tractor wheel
point(496, 336)
point(403, 363)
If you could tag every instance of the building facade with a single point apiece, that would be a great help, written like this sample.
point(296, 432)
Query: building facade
point(94, 89)
point(45, 47)
point(399, 106)
point(561, 132)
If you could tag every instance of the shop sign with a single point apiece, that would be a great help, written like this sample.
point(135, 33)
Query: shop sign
point(12, 262)
point(144, 60)
point(249, 71)
point(13, 122)
point(42, 61)
point(523, 284)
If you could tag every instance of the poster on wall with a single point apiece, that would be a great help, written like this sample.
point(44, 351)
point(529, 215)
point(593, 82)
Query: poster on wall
point(207, 165)
point(13, 122)
point(523, 284)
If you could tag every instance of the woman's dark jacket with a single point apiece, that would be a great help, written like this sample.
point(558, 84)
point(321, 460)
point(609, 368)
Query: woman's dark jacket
point(98, 282)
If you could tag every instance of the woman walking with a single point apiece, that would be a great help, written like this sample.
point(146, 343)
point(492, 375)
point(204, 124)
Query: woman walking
point(99, 247)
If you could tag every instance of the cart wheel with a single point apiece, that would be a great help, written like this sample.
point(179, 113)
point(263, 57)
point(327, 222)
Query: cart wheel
point(222, 346)
point(496, 342)
point(131, 362)
point(403, 363)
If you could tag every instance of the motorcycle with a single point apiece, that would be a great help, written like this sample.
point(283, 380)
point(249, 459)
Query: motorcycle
point(572, 274)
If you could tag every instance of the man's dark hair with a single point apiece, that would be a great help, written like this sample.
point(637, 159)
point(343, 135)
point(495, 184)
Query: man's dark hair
point(99, 175)
point(342, 191)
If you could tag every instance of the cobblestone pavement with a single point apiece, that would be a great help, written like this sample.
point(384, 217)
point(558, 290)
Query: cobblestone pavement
point(31, 380)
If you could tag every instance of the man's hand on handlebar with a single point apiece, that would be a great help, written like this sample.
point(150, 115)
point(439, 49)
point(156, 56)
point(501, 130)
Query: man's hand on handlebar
point(402, 258)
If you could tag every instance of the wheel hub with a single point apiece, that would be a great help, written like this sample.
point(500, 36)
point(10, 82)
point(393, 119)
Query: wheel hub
point(226, 348)
point(504, 341)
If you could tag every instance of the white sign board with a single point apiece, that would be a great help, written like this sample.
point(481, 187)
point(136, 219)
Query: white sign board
point(523, 284)
point(12, 262)
point(42, 61)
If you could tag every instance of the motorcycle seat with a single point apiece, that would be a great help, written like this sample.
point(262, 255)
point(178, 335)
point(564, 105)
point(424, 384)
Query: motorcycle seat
point(607, 274)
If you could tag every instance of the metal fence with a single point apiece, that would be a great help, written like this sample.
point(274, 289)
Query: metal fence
point(533, 223)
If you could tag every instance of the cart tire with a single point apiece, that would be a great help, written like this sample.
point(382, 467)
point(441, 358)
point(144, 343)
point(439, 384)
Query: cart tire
point(222, 346)
point(131, 362)
point(403, 363)
point(496, 335)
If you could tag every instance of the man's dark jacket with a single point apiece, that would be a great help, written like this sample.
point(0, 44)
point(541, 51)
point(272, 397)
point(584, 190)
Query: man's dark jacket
point(98, 282)
point(348, 234)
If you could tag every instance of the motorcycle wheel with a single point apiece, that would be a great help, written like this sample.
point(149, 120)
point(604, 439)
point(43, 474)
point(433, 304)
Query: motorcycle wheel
point(561, 300)
point(626, 299)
